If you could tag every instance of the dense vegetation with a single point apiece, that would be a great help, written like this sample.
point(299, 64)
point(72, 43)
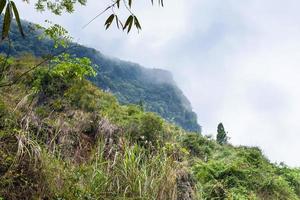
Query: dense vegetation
point(63, 138)
point(130, 82)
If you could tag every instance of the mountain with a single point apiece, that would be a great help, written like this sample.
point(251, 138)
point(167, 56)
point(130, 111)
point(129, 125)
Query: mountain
point(155, 89)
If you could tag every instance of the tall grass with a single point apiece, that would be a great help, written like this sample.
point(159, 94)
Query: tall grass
point(133, 174)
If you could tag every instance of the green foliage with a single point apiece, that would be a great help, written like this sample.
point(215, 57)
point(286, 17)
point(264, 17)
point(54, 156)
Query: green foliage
point(176, 151)
point(10, 12)
point(198, 145)
point(56, 33)
point(88, 98)
point(278, 188)
point(7, 119)
point(143, 176)
point(222, 136)
point(151, 130)
point(58, 7)
point(5, 62)
point(133, 175)
point(72, 68)
point(132, 19)
point(69, 140)
point(292, 176)
point(63, 70)
point(79, 143)
point(243, 174)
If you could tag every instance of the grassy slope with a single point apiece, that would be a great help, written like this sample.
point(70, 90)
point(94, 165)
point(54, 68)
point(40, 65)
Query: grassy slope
point(74, 141)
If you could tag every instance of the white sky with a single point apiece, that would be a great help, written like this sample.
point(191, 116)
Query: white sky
point(237, 61)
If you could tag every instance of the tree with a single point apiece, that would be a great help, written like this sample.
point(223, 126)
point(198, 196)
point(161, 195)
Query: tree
point(222, 135)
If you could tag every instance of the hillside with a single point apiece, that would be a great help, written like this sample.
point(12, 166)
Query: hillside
point(130, 82)
point(63, 138)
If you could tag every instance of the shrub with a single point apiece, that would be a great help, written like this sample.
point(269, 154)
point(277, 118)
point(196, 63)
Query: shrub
point(63, 71)
point(243, 174)
point(277, 188)
point(151, 130)
point(292, 176)
point(198, 145)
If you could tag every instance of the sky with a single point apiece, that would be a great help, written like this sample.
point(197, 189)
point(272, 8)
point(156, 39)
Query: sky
point(236, 61)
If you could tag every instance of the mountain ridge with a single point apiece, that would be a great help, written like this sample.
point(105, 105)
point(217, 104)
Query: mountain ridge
point(130, 82)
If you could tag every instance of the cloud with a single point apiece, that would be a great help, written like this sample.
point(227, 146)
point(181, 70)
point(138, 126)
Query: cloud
point(237, 61)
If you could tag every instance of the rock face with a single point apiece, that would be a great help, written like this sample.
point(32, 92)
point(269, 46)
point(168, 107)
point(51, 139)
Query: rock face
point(185, 187)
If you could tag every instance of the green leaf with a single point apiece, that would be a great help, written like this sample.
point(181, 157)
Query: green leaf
point(16, 13)
point(2, 5)
point(130, 3)
point(128, 23)
point(6, 22)
point(117, 21)
point(129, 27)
point(137, 23)
point(109, 21)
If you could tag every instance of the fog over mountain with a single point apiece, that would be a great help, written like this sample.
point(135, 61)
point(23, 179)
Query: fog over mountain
point(237, 61)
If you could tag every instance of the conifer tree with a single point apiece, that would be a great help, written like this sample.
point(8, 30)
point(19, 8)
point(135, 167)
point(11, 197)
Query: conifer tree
point(222, 135)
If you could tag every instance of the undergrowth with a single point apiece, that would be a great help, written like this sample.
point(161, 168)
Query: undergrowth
point(63, 138)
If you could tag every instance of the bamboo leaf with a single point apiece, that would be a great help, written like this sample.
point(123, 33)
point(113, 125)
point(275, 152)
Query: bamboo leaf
point(2, 5)
point(137, 23)
point(16, 13)
point(6, 22)
point(130, 25)
point(128, 22)
point(109, 21)
point(118, 3)
point(117, 21)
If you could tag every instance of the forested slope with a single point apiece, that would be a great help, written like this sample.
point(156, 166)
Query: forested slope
point(130, 82)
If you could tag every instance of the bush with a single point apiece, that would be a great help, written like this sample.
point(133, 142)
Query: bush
point(151, 130)
point(198, 145)
point(48, 85)
point(243, 174)
point(292, 176)
point(277, 188)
